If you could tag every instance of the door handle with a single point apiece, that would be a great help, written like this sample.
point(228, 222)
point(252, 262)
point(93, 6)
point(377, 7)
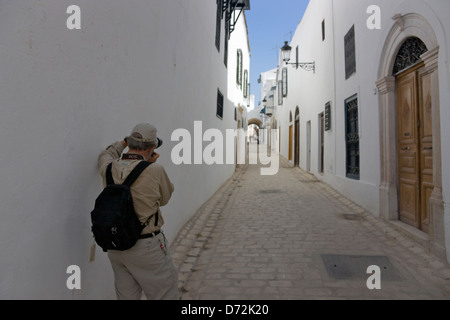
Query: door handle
point(406, 148)
point(428, 148)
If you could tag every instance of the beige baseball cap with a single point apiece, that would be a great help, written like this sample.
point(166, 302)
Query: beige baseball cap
point(148, 133)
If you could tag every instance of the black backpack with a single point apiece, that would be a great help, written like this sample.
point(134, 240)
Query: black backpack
point(115, 224)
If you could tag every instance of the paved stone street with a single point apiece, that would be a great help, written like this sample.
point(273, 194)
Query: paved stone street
point(264, 237)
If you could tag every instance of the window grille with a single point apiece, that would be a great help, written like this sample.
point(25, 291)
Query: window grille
point(352, 138)
point(219, 104)
point(409, 54)
point(350, 54)
point(328, 116)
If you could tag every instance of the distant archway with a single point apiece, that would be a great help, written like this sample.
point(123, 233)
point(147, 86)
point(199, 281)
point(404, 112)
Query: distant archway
point(254, 125)
point(255, 121)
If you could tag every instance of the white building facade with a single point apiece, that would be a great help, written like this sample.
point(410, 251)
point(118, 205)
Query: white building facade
point(239, 80)
point(267, 82)
point(68, 93)
point(370, 119)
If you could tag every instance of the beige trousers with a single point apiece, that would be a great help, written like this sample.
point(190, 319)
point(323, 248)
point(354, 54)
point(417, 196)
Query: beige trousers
point(147, 267)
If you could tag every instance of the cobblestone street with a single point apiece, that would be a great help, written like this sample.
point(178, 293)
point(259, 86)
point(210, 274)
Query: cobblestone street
point(265, 237)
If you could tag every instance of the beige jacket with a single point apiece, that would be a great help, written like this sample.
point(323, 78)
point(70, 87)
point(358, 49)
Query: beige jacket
point(150, 191)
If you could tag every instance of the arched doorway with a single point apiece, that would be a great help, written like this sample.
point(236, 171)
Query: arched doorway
point(297, 138)
point(410, 143)
point(254, 139)
point(254, 125)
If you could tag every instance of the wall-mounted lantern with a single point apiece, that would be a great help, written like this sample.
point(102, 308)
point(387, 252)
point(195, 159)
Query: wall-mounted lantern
point(286, 55)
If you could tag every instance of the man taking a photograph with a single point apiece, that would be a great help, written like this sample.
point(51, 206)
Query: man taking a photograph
point(148, 266)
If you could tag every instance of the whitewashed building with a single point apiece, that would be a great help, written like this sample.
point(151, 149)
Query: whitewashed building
point(70, 87)
point(258, 116)
point(369, 115)
point(238, 65)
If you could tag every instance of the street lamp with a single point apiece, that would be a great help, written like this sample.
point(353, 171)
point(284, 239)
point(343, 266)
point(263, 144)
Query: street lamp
point(286, 55)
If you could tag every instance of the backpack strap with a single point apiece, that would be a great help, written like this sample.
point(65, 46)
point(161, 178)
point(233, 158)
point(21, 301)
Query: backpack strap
point(130, 180)
point(136, 172)
point(109, 177)
point(149, 218)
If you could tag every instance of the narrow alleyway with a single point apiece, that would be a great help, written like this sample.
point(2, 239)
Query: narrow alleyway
point(270, 237)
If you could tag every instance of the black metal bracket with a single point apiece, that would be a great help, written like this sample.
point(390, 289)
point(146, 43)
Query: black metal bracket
point(229, 8)
point(307, 66)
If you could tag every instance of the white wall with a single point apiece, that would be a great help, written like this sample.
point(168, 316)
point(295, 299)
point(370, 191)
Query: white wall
point(67, 94)
point(238, 40)
point(268, 80)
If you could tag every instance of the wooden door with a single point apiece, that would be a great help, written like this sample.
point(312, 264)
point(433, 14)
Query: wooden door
point(415, 158)
point(425, 146)
point(321, 141)
point(297, 143)
point(290, 142)
point(279, 139)
point(308, 146)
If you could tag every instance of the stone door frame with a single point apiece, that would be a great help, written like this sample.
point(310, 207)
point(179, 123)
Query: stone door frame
point(409, 25)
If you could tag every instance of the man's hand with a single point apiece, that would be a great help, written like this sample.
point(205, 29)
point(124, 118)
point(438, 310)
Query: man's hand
point(153, 157)
point(124, 143)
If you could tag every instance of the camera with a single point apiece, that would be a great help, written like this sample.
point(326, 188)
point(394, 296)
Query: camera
point(160, 143)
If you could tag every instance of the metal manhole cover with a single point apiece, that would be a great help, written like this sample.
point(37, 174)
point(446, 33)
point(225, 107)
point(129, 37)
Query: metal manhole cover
point(270, 191)
point(348, 267)
point(352, 217)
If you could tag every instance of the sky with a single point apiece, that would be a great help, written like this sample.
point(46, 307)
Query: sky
point(270, 23)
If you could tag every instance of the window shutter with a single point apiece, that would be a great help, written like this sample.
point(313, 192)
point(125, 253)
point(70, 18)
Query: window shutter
point(285, 82)
point(218, 23)
point(280, 93)
point(239, 67)
point(245, 88)
point(350, 54)
point(219, 111)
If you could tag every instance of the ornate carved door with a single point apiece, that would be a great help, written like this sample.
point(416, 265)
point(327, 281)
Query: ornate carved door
point(426, 146)
point(415, 142)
